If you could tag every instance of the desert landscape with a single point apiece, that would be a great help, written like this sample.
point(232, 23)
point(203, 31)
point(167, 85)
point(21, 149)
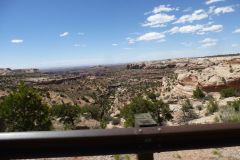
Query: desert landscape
point(207, 87)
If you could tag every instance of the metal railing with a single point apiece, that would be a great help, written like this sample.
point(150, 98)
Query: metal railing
point(142, 141)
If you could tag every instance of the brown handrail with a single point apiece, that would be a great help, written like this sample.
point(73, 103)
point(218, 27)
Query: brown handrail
point(117, 141)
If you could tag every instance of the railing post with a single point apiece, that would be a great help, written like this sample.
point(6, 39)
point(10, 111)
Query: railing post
point(144, 120)
point(145, 156)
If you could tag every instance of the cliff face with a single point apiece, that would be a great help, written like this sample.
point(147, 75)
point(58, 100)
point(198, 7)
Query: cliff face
point(8, 71)
point(212, 75)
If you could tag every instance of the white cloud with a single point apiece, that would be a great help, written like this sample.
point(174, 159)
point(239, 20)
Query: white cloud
point(159, 20)
point(212, 1)
point(185, 29)
point(163, 8)
point(64, 34)
point(196, 29)
point(212, 28)
point(221, 10)
point(196, 15)
point(114, 44)
point(237, 30)
point(16, 41)
point(208, 42)
point(151, 36)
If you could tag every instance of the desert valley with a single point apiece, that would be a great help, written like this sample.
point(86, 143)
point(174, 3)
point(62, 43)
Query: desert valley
point(197, 90)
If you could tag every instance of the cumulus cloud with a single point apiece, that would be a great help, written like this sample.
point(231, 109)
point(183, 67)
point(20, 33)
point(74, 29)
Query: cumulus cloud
point(196, 29)
point(151, 36)
point(159, 20)
point(212, 28)
point(163, 8)
point(237, 30)
point(221, 10)
point(196, 15)
point(114, 44)
point(160, 17)
point(208, 42)
point(64, 34)
point(16, 41)
point(212, 1)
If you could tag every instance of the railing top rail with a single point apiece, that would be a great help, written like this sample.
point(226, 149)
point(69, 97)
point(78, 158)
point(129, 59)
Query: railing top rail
point(117, 141)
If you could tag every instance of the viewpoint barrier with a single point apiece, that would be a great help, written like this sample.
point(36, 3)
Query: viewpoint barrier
point(142, 141)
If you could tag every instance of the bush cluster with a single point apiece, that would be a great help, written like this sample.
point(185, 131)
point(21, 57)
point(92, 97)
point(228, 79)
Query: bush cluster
point(187, 112)
point(198, 93)
point(229, 92)
point(212, 106)
point(231, 112)
point(24, 110)
point(159, 110)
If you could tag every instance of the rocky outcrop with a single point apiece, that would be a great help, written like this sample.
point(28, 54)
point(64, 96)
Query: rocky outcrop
point(8, 71)
point(212, 75)
point(151, 65)
point(5, 71)
point(136, 66)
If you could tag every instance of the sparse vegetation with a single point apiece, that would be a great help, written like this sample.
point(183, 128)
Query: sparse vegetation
point(159, 110)
point(231, 112)
point(121, 157)
point(212, 106)
point(217, 152)
point(229, 92)
point(198, 93)
point(66, 113)
point(188, 112)
point(23, 110)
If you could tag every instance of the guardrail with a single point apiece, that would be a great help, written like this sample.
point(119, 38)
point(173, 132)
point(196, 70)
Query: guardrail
point(142, 141)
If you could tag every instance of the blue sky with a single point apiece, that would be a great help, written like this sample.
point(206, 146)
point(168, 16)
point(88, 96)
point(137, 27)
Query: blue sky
point(55, 33)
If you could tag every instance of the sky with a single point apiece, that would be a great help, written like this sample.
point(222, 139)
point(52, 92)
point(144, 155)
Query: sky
point(65, 33)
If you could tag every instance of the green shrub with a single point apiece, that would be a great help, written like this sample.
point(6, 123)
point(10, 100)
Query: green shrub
point(229, 92)
point(103, 123)
point(99, 113)
point(23, 110)
point(212, 106)
point(121, 157)
point(198, 93)
point(217, 152)
point(187, 112)
point(151, 95)
point(159, 110)
point(66, 113)
point(231, 112)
